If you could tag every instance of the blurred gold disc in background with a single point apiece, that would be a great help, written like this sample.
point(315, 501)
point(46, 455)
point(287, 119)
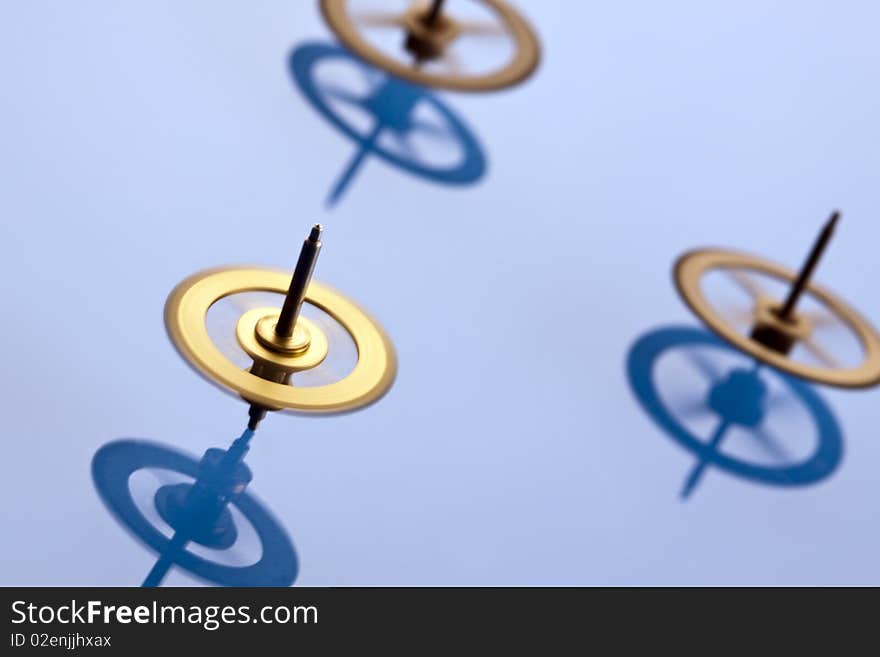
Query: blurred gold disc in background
point(426, 55)
point(690, 271)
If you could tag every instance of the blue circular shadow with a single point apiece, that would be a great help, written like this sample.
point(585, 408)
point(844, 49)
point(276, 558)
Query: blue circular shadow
point(391, 102)
point(824, 460)
point(114, 463)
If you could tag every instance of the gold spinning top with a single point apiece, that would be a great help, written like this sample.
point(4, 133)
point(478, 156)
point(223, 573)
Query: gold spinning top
point(278, 340)
point(776, 328)
point(429, 33)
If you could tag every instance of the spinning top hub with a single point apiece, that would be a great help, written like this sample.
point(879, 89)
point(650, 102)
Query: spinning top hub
point(304, 349)
point(775, 331)
point(297, 343)
point(428, 33)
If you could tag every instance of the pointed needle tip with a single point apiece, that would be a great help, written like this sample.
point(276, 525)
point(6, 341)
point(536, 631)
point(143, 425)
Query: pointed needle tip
point(835, 217)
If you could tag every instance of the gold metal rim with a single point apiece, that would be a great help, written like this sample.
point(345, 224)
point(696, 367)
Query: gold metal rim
point(689, 270)
point(185, 314)
point(527, 51)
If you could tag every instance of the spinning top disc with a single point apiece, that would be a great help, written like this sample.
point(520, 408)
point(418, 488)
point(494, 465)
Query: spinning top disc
point(185, 320)
point(428, 33)
point(690, 270)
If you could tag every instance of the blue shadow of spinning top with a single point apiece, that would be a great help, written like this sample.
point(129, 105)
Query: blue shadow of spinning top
point(393, 107)
point(197, 512)
point(739, 398)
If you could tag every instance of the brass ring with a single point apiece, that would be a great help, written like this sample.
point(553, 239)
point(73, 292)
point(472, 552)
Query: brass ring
point(527, 51)
point(185, 320)
point(689, 270)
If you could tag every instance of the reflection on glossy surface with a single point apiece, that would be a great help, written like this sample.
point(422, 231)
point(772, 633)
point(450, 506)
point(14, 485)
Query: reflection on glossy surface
point(199, 513)
point(407, 126)
point(744, 398)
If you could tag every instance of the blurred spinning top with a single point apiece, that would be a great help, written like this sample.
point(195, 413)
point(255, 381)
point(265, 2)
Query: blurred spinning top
point(429, 34)
point(278, 340)
point(777, 327)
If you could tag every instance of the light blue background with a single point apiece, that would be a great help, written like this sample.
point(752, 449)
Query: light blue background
point(144, 141)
